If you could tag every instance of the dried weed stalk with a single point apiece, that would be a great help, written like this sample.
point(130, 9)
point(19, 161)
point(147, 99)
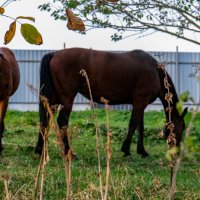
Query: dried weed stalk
point(180, 156)
point(45, 158)
point(171, 140)
point(84, 74)
point(6, 180)
point(176, 159)
point(108, 146)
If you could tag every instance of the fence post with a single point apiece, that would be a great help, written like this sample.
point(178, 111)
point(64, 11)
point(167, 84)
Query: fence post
point(177, 71)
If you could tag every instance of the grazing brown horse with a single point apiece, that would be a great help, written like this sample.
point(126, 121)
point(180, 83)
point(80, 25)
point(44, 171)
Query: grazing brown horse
point(123, 78)
point(9, 82)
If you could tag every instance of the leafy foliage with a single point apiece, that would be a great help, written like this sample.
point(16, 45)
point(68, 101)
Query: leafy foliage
point(28, 31)
point(129, 18)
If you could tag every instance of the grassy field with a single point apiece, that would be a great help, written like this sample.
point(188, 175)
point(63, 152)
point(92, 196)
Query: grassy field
point(132, 177)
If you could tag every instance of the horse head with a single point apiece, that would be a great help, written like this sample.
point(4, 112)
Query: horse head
point(178, 128)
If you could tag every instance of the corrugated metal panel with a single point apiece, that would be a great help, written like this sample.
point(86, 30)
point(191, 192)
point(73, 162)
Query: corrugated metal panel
point(179, 66)
point(29, 63)
point(188, 63)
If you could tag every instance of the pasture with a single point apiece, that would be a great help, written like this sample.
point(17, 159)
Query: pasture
point(132, 177)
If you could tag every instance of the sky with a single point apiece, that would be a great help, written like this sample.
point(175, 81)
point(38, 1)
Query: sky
point(55, 34)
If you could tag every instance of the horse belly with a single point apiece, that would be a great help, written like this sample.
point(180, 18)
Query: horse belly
point(114, 93)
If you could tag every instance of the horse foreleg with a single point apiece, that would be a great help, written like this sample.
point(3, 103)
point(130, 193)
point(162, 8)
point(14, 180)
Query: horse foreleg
point(138, 108)
point(140, 143)
point(3, 108)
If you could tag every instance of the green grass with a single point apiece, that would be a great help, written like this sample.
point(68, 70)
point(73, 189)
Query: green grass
point(131, 177)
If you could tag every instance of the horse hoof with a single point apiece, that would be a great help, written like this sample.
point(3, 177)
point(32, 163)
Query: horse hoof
point(127, 154)
point(38, 151)
point(75, 157)
point(36, 156)
point(1, 149)
point(143, 154)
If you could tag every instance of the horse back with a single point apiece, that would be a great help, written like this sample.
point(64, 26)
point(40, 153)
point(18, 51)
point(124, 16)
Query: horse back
point(119, 77)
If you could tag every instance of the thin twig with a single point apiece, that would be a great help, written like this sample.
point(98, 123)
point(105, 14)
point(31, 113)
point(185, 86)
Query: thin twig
point(5, 180)
point(59, 137)
point(180, 156)
point(68, 168)
point(83, 73)
point(170, 126)
point(108, 148)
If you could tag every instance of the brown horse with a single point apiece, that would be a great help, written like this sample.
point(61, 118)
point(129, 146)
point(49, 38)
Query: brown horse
point(9, 82)
point(123, 78)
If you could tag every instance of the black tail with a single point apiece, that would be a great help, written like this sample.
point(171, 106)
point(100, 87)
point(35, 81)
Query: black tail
point(46, 87)
point(46, 84)
point(46, 90)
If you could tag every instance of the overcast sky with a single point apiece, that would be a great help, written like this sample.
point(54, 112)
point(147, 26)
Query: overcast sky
point(55, 34)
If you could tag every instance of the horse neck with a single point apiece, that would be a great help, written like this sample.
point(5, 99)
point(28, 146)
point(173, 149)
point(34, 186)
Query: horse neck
point(164, 91)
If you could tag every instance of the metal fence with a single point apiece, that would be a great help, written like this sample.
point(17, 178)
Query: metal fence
point(180, 66)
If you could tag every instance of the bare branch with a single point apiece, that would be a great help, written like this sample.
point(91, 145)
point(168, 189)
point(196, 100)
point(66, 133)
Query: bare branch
point(177, 18)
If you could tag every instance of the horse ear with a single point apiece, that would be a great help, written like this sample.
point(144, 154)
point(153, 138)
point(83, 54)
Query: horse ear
point(184, 112)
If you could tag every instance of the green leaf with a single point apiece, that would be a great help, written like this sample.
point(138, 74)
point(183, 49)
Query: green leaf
point(29, 18)
point(179, 107)
point(184, 96)
point(31, 34)
point(171, 153)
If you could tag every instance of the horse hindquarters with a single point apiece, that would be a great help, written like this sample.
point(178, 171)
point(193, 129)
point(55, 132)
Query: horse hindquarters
point(3, 108)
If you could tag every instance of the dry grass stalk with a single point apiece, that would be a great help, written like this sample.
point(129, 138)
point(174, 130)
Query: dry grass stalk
point(45, 152)
point(41, 168)
point(180, 156)
point(170, 125)
point(83, 73)
point(68, 168)
point(44, 162)
point(108, 148)
point(15, 195)
point(176, 160)
point(5, 180)
point(99, 162)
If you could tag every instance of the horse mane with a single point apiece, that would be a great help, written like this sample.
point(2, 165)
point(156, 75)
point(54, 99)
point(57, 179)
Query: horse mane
point(175, 98)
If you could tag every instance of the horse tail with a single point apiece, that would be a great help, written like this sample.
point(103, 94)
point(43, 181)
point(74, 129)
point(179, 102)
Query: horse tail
point(46, 87)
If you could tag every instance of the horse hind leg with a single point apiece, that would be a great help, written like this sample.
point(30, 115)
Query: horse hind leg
point(140, 144)
point(63, 126)
point(3, 108)
point(44, 122)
